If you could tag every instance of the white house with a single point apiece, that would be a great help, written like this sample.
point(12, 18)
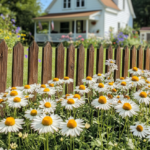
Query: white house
point(145, 34)
point(84, 18)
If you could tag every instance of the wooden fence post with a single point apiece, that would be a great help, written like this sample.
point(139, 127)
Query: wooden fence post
point(3, 65)
point(140, 57)
point(59, 66)
point(46, 63)
point(133, 57)
point(90, 61)
point(125, 62)
point(33, 63)
point(17, 65)
point(109, 55)
point(80, 65)
point(99, 61)
point(118, 62)
point(146, 58)
point(70, 66)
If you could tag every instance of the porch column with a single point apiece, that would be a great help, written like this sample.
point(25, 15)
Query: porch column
point(35, 31)
point(87, 28)
point(49, 30)
point(75, 29)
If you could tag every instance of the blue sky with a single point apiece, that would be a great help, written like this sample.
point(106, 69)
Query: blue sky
point(45, 3)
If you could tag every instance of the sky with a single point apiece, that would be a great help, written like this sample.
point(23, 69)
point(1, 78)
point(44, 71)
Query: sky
point(45, 3)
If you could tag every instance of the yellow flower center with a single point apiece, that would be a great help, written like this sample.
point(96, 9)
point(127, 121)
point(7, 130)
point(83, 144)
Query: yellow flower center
point(135, 78)
point(126, 96)
point(70, 101)
point(82, 87)
point(99, 74)
point(77, 96)
point(67, 96)
point(26, 96)
point(119, 101)
point(118, 96)
point(135, 69)
point(13, 93)
point(27, 86)
point(123, 83)
point(143, 94)
point(110, 96)
point(102, 100)
point(13, 88)
point(127, 106)
point(5, 95)
point(43, 86)
point(110, 83)
point(17, 99)
point(121, 78)
point(147, 81)
point(88, 78)
point(149, 86)
point(10, 121)
point(66, 78)
point(55, 79)
point(46, 90)
point(111, 62)
point(51, 85)
point(114, 90)
point(139, 128)
point(71, 123)
point(47, 104)
point(1, 100)
point(101, 85)
point(47, 121)
point(33, 112)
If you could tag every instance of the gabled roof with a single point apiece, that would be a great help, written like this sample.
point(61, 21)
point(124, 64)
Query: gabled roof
point(110, 3)
point(145, 28)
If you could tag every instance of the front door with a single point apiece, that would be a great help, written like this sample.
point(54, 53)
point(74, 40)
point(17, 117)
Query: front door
point(79, 26)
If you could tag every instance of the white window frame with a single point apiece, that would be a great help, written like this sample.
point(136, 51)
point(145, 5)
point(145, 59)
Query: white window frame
point(67, 2)
point(80, 1)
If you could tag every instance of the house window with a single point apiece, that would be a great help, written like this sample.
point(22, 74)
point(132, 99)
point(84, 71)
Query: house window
point(79, 26)
point(64, 27)
point(67, 3)
point(80, 3)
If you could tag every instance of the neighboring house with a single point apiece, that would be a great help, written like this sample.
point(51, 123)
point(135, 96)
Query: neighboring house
point(145, 34)
point(84, 18)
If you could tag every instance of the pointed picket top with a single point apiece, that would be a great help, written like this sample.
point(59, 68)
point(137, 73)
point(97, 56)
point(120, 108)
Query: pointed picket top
point(147, 58)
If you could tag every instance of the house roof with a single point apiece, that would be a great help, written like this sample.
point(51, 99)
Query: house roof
point(145, 28)
point(67, 15)
point(110, 3)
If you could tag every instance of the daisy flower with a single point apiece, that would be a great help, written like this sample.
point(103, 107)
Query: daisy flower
point(48, 105)
point(46, 124)
point(123, 86)
point(142, 97)
point(70, 103)
point(99, 76)
point(135, 81)
point(72, 127)
point(56, 81)
point(82, 89)
point(108, 79)
point(89, 80)
point(1, 102)
point(67, 80)
point(17, 102)
point(28, 96)
point(47, 90)
point(111, 85)
point(13, 94)
point(117, 99)
point(29, 88)
point(80, 99)
point(101, 103)
point(127, 108)
point(10, 125)
point(121, 79)
point(100, 87)
point(33, 113)
point(4, 95)
point(110, 62)
point(135, 71)
point(140, 130)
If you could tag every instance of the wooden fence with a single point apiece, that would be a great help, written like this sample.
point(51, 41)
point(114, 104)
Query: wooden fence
point(139, 58)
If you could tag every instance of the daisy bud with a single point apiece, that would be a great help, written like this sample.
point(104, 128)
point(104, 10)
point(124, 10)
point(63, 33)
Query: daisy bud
point(115, 144)
point(61, 139)
point(25, 135)
point(20, 134)
point(35, 104)
point(144, 140)
point(13, 146)
point(87, 125)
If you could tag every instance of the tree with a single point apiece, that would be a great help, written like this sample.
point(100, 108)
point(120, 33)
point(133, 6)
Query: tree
point(23, 11)
point(142, 12)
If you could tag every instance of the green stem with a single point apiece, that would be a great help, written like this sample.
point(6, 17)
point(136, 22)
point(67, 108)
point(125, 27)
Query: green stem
point(47, 142)
point(123, 129)
point(70, 142)
point(15, 112)
point(98, 123)
point(9, 134)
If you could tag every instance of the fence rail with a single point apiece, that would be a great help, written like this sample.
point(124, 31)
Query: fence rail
point(136, 57)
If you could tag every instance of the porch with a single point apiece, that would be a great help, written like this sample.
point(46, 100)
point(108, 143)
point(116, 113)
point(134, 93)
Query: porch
point(67, 27)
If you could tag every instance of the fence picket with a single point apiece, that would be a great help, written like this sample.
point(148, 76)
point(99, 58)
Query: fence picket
point(146, 58)
point(90, 61)
point(59, 63)
point(46, 63)
point(133, 57)
point(99, 61)
point(17, 65)
point(118, 62)
point(33, 63)
point(3, 65)
point(80, 64)
point(109, 55)
point(140, 57)
point(125, 62)
point(70, 66)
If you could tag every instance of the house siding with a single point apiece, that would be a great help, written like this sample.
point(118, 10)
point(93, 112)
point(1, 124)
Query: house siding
point(124, 17)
